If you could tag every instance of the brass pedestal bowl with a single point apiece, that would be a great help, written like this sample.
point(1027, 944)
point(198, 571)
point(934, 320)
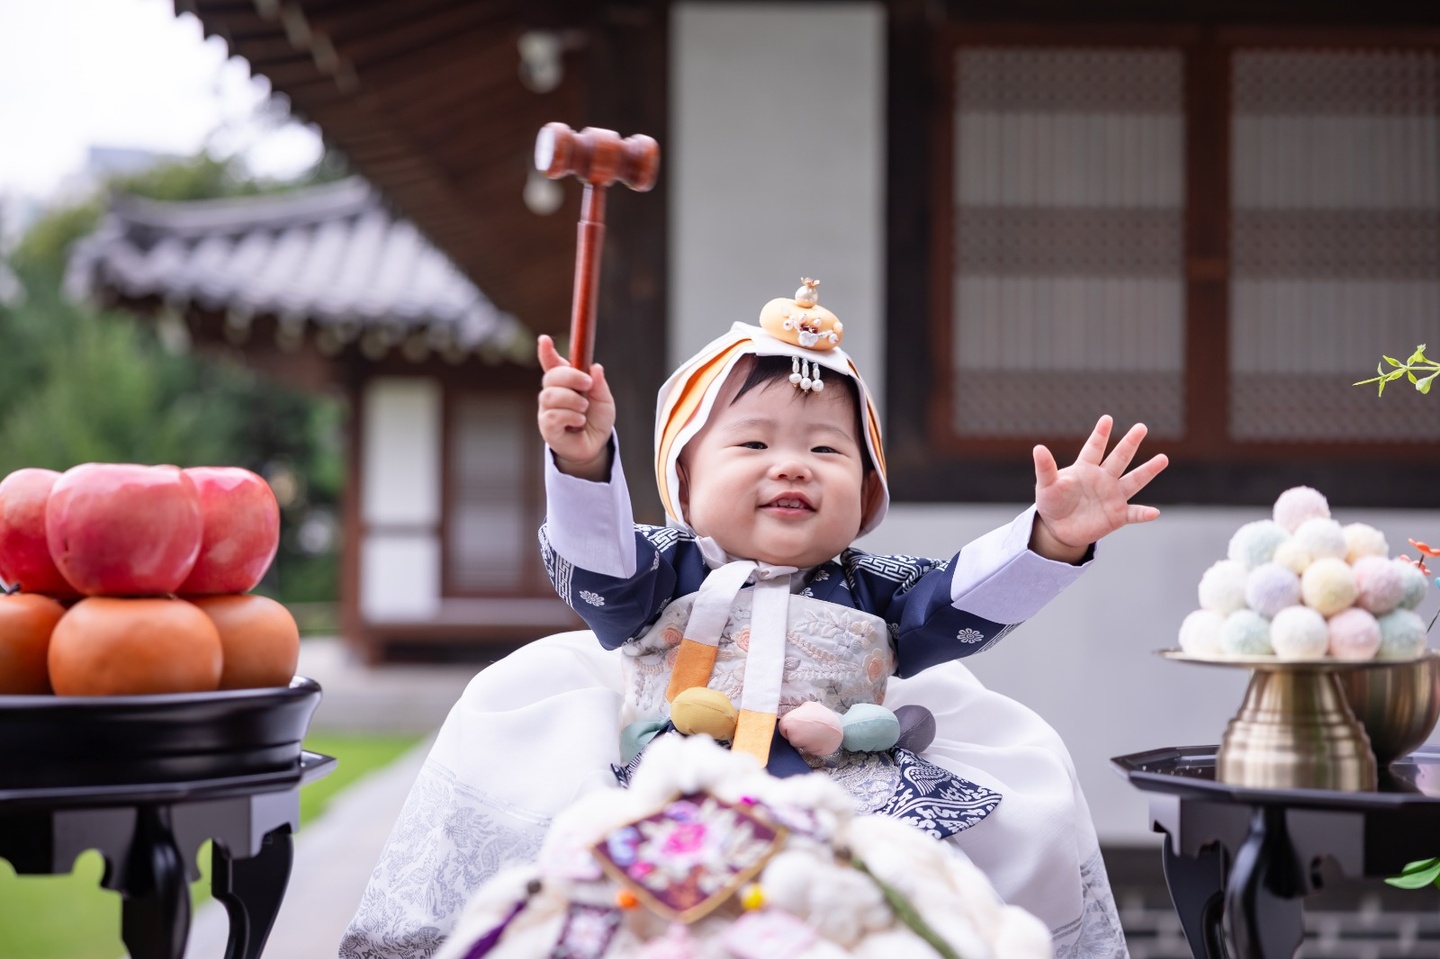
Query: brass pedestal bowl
point(1397, 703)
point(1296, 729)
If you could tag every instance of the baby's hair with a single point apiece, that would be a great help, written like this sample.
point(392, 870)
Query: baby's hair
point(764, 370)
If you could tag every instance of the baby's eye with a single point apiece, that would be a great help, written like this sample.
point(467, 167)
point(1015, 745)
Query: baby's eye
point(824, 449)
point(754, 445)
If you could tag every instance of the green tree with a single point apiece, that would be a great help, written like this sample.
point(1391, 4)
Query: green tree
point(83, 385)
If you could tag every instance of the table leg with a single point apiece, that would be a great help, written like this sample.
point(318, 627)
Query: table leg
point(1263, 917)
point(1197, 885)
point(155, 913)
point(252, 890)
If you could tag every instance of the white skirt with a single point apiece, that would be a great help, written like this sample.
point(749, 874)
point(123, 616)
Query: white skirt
point(539, 728)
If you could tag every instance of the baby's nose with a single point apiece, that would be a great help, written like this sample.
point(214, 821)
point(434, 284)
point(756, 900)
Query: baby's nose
point(791, 468)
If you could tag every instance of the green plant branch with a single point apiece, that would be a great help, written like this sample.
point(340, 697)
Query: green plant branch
point(1419, 369)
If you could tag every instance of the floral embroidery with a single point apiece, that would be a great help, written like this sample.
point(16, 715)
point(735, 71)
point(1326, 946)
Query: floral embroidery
point(671, 635)
point(742, 639)
point(877, 666)
point(821, 575)
point(594, 599)
point(970, 636)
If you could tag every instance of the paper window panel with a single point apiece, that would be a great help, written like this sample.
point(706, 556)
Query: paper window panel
point(491, 531)
point(1068, 241)
point(1335, 246)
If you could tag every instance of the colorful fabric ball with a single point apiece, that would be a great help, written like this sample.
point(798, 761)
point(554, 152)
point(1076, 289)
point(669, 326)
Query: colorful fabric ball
point(1354, 634)
point(1379, 586)
point(1402, 635)
point(869, 728)
point(1254, 543)
point(1246, 633)
point(1321, 537)
point(1298, 632)
point(1200, 633)
point(1362, 539)
point(1271, 587)
point(1299, 503)
point(1415, 585)
point(703, 710)
point(1222, 586)
point(1293, 556)
point(812, 728)
point(917, 727)
point(1328, 585)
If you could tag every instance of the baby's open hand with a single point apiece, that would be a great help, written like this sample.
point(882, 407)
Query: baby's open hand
point(577, 414)
point(1090, 498)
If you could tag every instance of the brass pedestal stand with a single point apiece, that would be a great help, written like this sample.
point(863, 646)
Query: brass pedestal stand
point(1295, 728)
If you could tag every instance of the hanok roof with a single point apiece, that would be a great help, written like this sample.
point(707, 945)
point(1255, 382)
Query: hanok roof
point(329, 256)
point(426, 101)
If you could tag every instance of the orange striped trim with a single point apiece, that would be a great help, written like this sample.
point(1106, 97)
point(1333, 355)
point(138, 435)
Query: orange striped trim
point(754, 733)
point(683, 411)
point(694, 662)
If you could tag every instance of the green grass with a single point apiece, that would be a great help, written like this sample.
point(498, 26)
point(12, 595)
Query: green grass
point(71, 917)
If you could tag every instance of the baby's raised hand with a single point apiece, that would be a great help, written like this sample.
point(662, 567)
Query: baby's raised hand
point(577, 414)
point(1090, 498)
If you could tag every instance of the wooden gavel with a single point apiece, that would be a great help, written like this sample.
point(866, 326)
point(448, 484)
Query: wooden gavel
point(599, 158)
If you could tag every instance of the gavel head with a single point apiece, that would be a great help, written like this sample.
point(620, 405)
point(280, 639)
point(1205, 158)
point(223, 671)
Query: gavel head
point(599, 157)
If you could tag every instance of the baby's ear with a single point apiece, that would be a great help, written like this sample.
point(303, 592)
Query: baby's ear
point(684, 491)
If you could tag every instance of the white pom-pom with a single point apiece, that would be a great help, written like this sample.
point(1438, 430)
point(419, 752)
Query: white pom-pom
point(1222, 586)
point(1299, 503)
point(1362, 539)
point(1200, 633)
point(1255, 543)
point(1298, 632)
point(1271, 587)
point(1321, 537)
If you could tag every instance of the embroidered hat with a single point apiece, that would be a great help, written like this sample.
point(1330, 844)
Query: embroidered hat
point(797, 327)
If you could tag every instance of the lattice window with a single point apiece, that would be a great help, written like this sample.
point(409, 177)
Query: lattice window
point(1067, 286)
point(493, 510)
point(1335, 244)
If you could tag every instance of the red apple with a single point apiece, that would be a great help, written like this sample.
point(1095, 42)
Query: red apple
point(242, 530)
point(117, 529)
point(24, 555)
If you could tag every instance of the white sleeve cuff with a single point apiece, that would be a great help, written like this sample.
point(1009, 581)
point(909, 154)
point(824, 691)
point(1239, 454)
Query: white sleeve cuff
point(999, 578)
point(592, 525)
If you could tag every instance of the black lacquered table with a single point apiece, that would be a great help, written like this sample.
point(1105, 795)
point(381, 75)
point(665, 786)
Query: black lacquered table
point(1240, 860)
point(145, 780)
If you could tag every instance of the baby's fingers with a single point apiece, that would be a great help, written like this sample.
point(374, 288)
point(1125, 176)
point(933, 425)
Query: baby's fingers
point(1046, 470)
point(561, 398)
point(1140, 477)
point(1141, 514)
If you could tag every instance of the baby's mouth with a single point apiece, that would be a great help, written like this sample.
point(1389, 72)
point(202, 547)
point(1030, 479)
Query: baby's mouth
point(790, 501)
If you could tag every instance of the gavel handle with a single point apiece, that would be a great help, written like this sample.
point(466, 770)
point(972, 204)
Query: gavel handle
point(589, 239)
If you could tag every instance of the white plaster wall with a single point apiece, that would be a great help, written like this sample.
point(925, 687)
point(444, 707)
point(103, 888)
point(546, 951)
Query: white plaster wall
point(400, 435)
point(1087, 662)
point(776, 167)
point(400, 459)
point(399, 577)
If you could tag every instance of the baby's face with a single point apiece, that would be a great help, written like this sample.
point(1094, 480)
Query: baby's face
point(777, 476)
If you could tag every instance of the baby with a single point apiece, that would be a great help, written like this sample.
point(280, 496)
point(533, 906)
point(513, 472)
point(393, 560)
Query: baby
point(769, 461)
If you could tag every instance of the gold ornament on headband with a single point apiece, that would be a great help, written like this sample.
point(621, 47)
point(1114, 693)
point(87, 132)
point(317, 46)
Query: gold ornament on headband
point(801, 321)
